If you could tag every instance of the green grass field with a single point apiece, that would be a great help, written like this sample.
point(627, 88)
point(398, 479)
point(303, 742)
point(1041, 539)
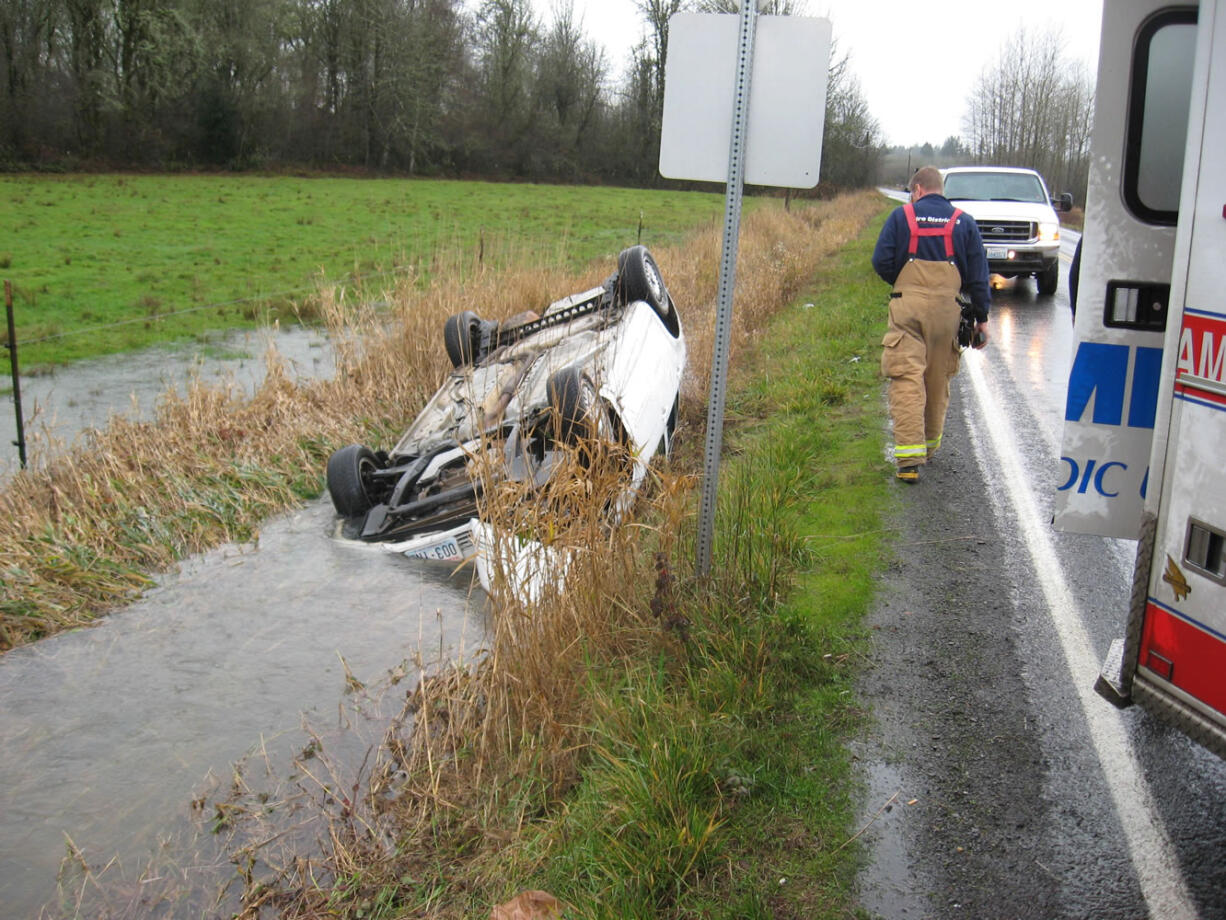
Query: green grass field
point(109, 263)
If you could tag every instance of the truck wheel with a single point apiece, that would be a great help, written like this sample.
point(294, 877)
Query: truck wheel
point(1049, 279)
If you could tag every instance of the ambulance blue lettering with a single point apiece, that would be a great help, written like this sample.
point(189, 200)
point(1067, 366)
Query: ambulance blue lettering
point(1100, 372)
point(1093, 475)
point(1143, 401)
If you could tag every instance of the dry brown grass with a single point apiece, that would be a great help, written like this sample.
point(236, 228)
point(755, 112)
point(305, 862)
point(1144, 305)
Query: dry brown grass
point(482, 747)
point(81, 530)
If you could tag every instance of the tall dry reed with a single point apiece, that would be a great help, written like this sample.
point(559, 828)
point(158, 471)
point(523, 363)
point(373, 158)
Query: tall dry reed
point(483, 746)
point(81, 530)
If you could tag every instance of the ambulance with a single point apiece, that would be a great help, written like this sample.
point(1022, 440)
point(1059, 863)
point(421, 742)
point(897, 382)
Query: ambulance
point(1144, 449)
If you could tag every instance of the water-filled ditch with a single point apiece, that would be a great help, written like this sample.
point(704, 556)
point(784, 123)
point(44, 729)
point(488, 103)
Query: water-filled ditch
point(59, 403)
point(107, 733)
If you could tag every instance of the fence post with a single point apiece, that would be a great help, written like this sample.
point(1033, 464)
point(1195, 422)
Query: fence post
point(11, 345)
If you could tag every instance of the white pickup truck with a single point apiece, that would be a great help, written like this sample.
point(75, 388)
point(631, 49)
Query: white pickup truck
point(1017, 219)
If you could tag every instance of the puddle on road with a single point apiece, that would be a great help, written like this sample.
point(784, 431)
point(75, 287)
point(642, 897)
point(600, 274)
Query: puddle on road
point(59, 405)
point(106, 733)
point(887, 885)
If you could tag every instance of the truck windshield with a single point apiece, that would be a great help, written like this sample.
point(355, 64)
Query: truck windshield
point(994, 186)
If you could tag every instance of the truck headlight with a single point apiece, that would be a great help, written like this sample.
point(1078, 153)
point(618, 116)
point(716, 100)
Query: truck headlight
point(1049, 232)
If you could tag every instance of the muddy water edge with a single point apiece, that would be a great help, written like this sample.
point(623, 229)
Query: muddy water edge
point(108, 734)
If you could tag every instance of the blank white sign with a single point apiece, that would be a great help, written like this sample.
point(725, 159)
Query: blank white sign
point(787, 99)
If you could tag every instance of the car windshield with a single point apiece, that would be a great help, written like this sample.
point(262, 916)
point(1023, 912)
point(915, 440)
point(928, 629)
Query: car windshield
point(994, 186)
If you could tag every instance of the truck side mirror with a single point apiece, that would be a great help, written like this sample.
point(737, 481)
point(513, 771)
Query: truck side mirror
point(1064, 202)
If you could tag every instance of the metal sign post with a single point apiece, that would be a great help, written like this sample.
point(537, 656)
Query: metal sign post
point(11, 345)
point(706, 106)
point(727, 283)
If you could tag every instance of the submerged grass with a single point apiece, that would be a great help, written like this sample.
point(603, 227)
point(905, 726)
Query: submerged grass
point(644, 744)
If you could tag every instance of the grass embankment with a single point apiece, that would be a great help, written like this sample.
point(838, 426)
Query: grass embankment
point(643, 745)
point(646, 745)
point(111, 263)
point(718, 783)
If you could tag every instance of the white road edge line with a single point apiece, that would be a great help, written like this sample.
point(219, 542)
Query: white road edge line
point(1153, 857)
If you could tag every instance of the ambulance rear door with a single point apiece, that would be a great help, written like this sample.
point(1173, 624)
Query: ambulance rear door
point(1132, 205)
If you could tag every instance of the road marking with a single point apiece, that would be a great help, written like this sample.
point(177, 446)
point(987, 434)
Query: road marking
point(1153, 857)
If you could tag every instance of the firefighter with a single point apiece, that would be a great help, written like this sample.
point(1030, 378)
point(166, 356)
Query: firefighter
point(929, 251)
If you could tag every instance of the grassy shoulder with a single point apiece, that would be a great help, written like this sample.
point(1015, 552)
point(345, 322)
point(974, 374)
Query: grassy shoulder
point(643, 744)
point(109, 263)
point(720, 784)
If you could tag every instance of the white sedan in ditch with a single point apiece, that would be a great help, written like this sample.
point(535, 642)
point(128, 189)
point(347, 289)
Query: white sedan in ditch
point(606, 362)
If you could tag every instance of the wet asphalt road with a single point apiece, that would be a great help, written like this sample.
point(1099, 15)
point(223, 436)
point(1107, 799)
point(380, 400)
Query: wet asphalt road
point(997, 785)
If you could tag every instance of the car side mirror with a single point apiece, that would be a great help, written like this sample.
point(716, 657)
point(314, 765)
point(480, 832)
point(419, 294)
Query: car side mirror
point(1064, 202)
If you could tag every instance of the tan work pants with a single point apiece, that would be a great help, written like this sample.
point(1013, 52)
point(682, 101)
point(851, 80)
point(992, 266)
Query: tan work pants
point(920, 356)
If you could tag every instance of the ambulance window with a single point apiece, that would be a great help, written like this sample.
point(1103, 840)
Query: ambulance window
point(1203, 550)
point(1158, 115)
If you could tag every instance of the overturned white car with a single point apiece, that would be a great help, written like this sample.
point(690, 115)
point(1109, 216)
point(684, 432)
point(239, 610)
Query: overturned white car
point(603, 363)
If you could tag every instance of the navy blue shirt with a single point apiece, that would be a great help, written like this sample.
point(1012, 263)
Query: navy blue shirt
point(890, 254)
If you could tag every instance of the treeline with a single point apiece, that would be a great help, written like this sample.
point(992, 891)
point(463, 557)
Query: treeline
point(1034, 108)
point(432, 87)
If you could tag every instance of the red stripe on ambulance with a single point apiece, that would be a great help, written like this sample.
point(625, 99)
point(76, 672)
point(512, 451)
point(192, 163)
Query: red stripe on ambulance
point(1184, 654)
point(1202, 348)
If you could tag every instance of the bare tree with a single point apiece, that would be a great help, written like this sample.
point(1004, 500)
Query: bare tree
point(851, 137)
point(506, 36)
point(765, 7)
point(1033, 108)
point(570, 77)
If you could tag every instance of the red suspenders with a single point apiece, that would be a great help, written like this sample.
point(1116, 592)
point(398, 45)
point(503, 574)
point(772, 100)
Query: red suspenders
point(946, 231)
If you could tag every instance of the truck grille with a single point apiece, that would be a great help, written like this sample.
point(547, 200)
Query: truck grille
point(1007, 231)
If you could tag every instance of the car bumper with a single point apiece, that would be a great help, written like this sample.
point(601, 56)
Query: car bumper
point(454, 545)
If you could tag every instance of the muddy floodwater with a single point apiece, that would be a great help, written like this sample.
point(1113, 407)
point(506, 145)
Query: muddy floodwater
point(107, 733)
point(60, 403)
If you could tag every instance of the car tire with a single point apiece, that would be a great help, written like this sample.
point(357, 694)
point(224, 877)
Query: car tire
point(349, 479)
point(639, 278)
point(576, 406)
point(565, 391)
point(1049, 279)
point(670, 428)
point(458, 334)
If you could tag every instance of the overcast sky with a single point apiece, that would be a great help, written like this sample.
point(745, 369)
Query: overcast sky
point(915, 69)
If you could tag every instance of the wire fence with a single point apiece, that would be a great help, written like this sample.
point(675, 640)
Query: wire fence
point(11, 343)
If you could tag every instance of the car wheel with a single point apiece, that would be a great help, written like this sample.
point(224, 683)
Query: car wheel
point(576, 406)
point(670, 428)
point(458, 333)
point(1049, 279)
point(349, 479)
point(639, 278)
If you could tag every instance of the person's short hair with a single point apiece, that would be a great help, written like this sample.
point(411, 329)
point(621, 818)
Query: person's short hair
point(929, 179)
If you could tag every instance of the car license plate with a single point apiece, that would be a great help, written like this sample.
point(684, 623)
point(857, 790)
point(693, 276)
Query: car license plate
point(443, 550)
point(997, 252)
